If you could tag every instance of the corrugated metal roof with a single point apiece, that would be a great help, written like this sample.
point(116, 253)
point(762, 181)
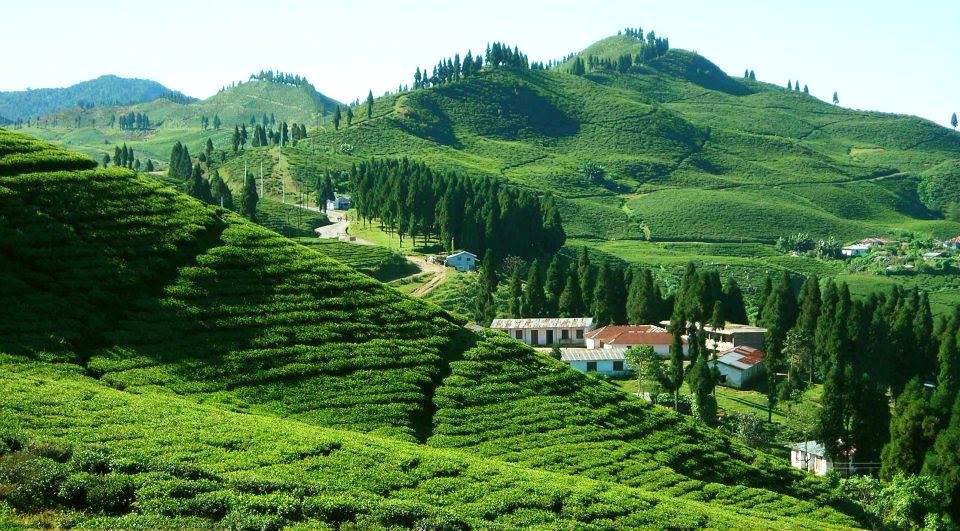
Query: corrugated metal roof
point(543, 322)
point(741, 357)
point(735, 328)
point(592, 354)
point(811, 447)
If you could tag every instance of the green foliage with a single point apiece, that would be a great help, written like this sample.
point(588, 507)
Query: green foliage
point(382, 264)
point(906, 502)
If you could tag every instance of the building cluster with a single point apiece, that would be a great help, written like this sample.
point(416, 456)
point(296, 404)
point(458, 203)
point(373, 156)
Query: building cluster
point(738, 347)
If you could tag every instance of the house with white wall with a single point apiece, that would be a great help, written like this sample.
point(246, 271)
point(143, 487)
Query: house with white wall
point(339, 202)
point(461, 261)
point(732, 335)
point(626, 336)
point(546, 331)
point(607, 361)
point(739, 366)
point(810, 456)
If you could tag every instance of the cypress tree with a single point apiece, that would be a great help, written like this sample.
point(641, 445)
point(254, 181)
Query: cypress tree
point(556, 275)
point(150, 166)
point(106, 160)
point(349, 116)
point(910, 435)
point(735, 310)
point(533, 297)
point(198, 186)
point(953, 120)
point(943, 460)
point(765, 291)
point(486, 309)
point(220, 191)
point(248, 202)
point(828, 308)
point(370, 104)
point(948, 375)
point(336, 118)
point(516, 294)
point(617, 295)
point(571, 302)
point(673, 378)
point(702, 383)
point(601, 297)
point(809, 302)
point(585, 272)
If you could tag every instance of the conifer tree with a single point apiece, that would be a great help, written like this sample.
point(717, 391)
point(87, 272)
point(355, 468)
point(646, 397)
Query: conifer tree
point(809, 302)
point(118, 156)
point(216, 121)
point(571, 302)
point(702, 383)
point(556, 276)
point(369, 104)
point(198, 186)
point(336, 118)
point(236, 138)
point(836, 98)
point(209, 148)
point(910, 434)
point(673, 379)
point(585, 272)
point(533, 297)
point(486, 309)
point(248, 202)
point(948, 375)
point(602, 305)
point(220, 191)
point(106, 160)
point(953, 120)
point(789, 85)
point(735, 310)
point(943, 460)
point(516, 293)
point(753, 76)
point(765, 291)
point(150, 166)
point(349, 116)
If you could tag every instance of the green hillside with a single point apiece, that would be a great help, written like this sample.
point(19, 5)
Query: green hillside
point(167, 363)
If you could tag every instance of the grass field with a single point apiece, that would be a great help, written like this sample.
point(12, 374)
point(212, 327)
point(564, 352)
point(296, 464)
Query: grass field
point(169, 364)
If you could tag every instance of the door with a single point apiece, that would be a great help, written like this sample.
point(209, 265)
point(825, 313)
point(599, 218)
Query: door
point(549, 337)
point(534, 337)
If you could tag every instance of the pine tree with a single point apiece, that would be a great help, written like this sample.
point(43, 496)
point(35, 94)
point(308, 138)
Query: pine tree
point(953, 120)
point(236, 138)
point(198, 186)
point(533, 297)
point(673, 378)
point(349, 116)
point(943, 460)
point(106, 160)
point(778, 317)
point(806, 90)
point(516, 293)
point(702, 383)
point(789, 85)
point(571, 301)
point(585, 272)
point(209, 149)
point(220, 191)
point(248, 202)
point(216, 121)
point(150, 166)
point(369, 105)
point(809, 301)
point(556, 275)
point(486, 309)
point(836, 98)
point(735, 310)
point(910, 433)
point(602, 312)
point(948, 375)
point(336, 118)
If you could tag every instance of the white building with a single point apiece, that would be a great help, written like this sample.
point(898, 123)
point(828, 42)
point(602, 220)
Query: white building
point(733, 335)
point(339, 202)
point(461, 261)
point(546, 331)
point(609, 361)
point(739, 366)
point(857, 249)
point(810, 456)
point(626, 336)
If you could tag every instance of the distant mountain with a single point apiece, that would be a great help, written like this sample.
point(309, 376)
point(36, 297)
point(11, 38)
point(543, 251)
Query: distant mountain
point(104, 90)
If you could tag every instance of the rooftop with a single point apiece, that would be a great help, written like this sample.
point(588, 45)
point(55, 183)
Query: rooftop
point(543, 322)
point(456, 253)
point(811, 447)
point(858, 247)
point(631, 335)
point(736, 328)
point(592, 354)
point(740, 357)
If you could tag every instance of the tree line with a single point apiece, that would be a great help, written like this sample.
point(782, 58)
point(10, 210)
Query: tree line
point(212, 190)
point(452, 69)
point(410, 199)
point(652, 48)
point(134, 121)
point(280, 77)
point(263, 136)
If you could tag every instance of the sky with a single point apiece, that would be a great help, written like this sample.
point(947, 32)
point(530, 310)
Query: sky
point(886, 55)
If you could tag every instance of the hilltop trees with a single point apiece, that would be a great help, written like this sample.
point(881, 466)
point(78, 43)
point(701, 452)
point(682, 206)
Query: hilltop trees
point(134, 121)
point(836, 98)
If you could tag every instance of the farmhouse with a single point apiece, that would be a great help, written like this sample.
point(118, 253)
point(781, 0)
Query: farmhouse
point(608, 361)
point(952, 243)
point(734, 335)
point(461, 261)
point(810, 456)
point(739, 366)
point(546, 331)
point(857, 249)
point(340, 202)
point(626, 336)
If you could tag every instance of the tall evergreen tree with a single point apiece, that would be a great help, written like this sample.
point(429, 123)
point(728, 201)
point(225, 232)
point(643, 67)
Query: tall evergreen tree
point(349, 116)
point(534, 302)
point(249, 199)
point(556, 276)
point(198, 186)
point(571, 301)
point(948, 375)
point(673, 379)
point(910, 433)
point(809, 302)
point(220, 191)
point(765, 291)
point(369, 105)
point(943, 461)
point(585, 272)
point(953, 120)
point(836, 98)
point(734, 308)
point(486, 309)
point(516, 294)
point(602, 305)
point(336, 118)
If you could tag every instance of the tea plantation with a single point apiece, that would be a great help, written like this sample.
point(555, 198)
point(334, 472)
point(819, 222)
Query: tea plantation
point(167, 363)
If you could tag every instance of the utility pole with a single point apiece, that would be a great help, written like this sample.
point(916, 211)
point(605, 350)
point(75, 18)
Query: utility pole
point(261, 178)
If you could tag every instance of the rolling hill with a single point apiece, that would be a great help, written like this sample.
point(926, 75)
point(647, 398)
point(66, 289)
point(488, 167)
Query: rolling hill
point(167, 363)
point(105, 90)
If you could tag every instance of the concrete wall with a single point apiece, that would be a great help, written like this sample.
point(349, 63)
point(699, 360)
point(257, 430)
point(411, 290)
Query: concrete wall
point(603, 367)
point(526, 335)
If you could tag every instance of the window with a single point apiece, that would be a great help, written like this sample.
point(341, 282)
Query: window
point(534, 337)
point(564, 334)
point(618, 366)
point(591, 366)
point(580, 334)
point(519, 334)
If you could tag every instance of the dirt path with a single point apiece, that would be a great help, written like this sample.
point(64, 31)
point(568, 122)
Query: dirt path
point(439, 275)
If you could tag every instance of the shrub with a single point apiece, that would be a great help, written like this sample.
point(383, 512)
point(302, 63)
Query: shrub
point(30, 483)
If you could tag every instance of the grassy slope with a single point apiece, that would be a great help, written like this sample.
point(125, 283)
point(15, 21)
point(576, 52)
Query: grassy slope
point(195, 319)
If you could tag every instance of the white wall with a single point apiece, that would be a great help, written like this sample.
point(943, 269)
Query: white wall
point(603, 367)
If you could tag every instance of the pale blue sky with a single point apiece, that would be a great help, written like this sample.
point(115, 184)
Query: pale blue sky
point(886, 55)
